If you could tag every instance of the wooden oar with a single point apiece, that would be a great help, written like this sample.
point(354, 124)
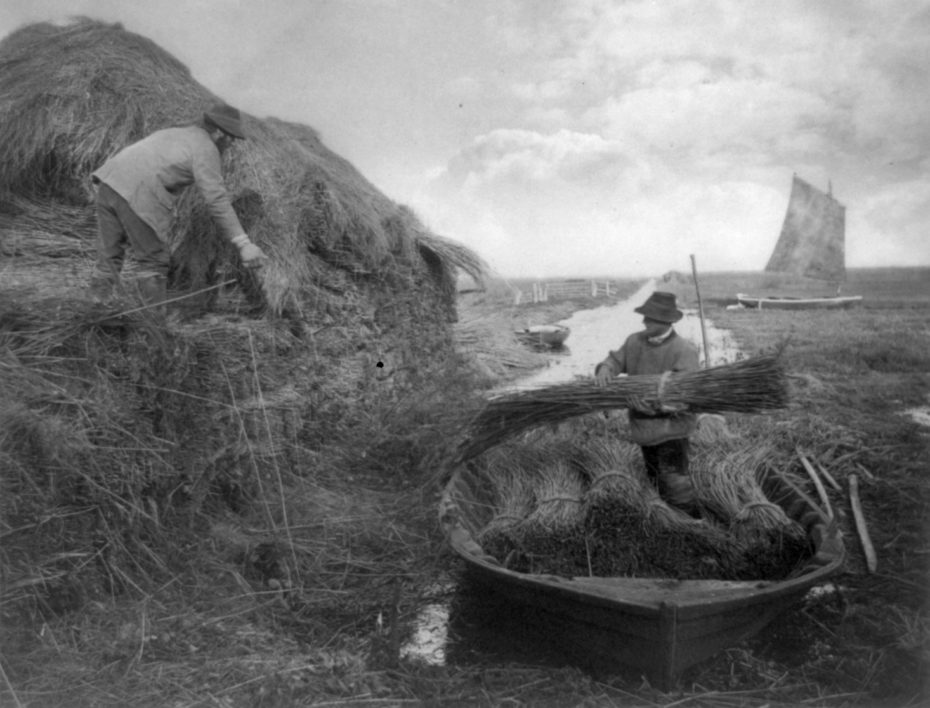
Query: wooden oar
point(870, 560)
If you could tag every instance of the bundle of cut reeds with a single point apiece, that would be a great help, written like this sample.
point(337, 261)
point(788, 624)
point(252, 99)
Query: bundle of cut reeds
point(615, 479)
point(747, 386)
point(558, 492)
point(727, 480)
point(514, 495)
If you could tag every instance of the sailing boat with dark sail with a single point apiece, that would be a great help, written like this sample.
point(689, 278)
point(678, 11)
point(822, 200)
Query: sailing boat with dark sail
point(812, 244)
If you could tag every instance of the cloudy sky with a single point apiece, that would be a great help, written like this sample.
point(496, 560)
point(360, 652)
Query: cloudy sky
point(585, 137)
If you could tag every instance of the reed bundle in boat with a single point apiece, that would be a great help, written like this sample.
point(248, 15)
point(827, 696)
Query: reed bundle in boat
point(728, 481)
point(612, 467)
point(747, 386)
point(616, 485)
point(593, 511)
point(558, 492)
point(515, 497)
point(509, 471)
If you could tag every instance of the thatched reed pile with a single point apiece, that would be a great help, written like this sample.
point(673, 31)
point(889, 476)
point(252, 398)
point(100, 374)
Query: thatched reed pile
point(119, 434)
point(71, 96)
point(367, 290)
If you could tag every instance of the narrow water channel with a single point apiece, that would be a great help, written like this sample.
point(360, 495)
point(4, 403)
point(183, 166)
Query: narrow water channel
point(595, 332)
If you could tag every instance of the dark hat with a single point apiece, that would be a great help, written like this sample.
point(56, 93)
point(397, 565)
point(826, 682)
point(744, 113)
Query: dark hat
point(660, 306)
point(227, 119)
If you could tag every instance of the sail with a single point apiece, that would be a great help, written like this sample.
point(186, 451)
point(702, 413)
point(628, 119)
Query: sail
point(813, 237)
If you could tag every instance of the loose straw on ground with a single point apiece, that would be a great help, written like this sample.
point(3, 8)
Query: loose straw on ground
point(827, 476)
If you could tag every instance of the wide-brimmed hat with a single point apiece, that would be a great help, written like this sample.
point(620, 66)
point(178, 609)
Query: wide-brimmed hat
point(227, 119)
point(660, 306)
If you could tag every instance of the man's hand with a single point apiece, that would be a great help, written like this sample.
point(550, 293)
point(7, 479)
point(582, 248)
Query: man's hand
point(252, 256)
point(641, 405)
point(602, 376)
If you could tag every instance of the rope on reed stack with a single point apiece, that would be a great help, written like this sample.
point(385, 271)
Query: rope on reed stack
point(749, 386)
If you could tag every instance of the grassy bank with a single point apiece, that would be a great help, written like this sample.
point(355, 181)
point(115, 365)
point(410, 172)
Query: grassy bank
point(251, 610)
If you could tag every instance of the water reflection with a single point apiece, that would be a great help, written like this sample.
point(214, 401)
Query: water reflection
point(430, 635)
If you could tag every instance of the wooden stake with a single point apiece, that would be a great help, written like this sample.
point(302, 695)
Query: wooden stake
point(821, 492)
point(700, 311)
point(870, 560)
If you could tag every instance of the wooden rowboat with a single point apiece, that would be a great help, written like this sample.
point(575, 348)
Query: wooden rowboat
point(657, 625)
point(551, 336)
point(797, 303)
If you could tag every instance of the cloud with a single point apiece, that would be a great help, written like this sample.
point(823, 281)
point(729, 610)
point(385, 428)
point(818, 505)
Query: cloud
point(580, 204)
point(898, 221)
point(534, 157)
point(579, 135)
point(678, 125)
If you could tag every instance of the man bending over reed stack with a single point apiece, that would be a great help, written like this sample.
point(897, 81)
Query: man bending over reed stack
point(662, 432)
point(137, 190)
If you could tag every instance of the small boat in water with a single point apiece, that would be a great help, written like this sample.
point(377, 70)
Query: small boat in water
point(760, 302)
point(811, 245)
point(544, 336)
point(659, 625)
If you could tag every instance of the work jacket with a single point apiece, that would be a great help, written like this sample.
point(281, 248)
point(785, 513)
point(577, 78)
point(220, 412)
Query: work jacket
point(638, 357)
point(151, 174)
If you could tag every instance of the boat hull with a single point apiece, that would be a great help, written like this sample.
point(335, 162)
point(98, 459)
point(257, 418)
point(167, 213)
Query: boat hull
point(658, 626)
point(797, 303)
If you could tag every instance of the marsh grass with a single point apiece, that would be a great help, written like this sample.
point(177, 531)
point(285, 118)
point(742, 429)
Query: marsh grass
point(232, 513)
point(255, 612)
point(160, 504)
point(300, 590)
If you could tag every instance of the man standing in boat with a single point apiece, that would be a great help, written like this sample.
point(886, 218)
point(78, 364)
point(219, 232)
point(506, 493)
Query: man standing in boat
point(662, 434)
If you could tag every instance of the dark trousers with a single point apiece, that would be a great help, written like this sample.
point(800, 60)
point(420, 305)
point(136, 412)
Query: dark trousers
point(118, 226)
point(669, 456)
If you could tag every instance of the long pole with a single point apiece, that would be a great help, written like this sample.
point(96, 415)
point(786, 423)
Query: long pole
point(697, 289)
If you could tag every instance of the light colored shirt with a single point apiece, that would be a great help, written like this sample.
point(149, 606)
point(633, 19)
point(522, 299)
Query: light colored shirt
point(151, 174)
point(638, 357)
